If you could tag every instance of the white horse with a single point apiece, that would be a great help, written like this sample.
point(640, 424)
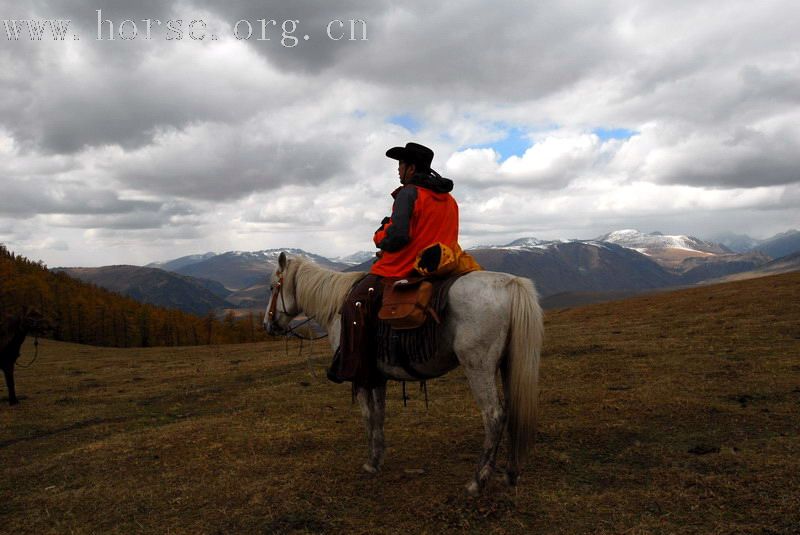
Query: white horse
point(493, 322)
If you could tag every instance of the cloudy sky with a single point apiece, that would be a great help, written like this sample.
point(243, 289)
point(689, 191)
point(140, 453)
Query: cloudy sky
point(555, 119)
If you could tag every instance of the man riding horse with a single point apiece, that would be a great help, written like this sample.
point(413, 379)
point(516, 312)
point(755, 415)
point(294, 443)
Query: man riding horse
point(423, 214)
point(489, 323)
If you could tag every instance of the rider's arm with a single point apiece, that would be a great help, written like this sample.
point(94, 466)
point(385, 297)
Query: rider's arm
point(394, 234)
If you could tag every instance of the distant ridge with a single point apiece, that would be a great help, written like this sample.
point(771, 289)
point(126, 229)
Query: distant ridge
point(237, 270)
point(173, 265)
point(156, 287)
point(619, 262)
point(780, 245)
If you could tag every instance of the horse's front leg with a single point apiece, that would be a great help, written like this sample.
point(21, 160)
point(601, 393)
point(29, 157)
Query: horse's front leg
point(8, 371)
point(364, 397)
point(378, 446)
point(373, 407)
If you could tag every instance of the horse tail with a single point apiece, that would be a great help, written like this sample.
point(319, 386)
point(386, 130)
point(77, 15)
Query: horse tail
point(522, 374)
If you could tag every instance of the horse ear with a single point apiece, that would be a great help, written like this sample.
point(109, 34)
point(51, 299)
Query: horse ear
point(282, 261)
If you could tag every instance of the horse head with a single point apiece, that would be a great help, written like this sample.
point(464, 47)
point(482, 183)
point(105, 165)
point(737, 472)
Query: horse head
point(33, 321)
point(282, 307)
point(23, 321)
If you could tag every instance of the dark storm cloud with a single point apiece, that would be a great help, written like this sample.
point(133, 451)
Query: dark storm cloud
point(218, 163)
point(152, 235)
point(511, 52)
point(133, 220)
point(26, 198)
point(746, 158)
point(77, 204)
point(460, 49)
point(120, 94)
point(317, 54)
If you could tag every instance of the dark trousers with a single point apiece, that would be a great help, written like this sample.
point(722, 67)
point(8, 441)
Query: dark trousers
point(354, 360)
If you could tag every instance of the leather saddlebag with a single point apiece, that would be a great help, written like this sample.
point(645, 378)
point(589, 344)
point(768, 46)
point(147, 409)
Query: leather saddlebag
point(406, 303)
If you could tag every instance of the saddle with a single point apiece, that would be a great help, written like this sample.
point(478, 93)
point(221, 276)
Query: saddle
point(406, 303)
point(421, 306)
point(396, 319)
point(413, 308)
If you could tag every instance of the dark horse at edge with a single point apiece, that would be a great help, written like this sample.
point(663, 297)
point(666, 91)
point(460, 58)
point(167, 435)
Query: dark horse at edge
point(14, 329)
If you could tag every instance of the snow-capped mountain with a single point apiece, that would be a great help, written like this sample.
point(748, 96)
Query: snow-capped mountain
point(656, 241)
point(683, 256)
point(242, 269)
point(271, 256)
point(527, 244)
point(356, 258)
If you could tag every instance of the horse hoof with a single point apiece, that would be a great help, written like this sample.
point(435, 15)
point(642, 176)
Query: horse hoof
point(473, 489)
point(370, 469)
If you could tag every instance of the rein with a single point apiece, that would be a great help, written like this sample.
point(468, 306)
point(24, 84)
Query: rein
point(35, 353)
point(273, 306)
point(292, 331)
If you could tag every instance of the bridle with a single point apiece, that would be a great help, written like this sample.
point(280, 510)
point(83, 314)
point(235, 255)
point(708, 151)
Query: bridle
point(273, 303)
point(273, 307)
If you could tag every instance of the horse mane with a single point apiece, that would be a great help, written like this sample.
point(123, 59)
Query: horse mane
point(320, 292)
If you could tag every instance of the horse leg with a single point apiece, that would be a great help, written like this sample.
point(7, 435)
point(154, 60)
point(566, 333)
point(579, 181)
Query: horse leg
point(373, 409)
point(8, 371)
point(364, 397)
point(378, 446)
point(484, 389)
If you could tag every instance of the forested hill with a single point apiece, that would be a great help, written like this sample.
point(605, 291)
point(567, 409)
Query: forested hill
point(87, 314)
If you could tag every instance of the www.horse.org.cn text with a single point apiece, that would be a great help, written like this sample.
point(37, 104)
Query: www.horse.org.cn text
point(285, 32)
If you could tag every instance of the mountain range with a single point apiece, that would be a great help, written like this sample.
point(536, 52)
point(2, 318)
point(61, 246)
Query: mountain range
point(617, 263)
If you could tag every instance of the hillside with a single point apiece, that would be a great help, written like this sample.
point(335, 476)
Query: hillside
point(577, 266)
point(156, 287)
point(571, 266)
point(785, 264)
point(673, 412)
point(177, 263)
point(781, 245)
point(83, 312)
point(694, 269)
point(254, 297)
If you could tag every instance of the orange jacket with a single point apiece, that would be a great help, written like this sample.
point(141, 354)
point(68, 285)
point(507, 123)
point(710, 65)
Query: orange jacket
point(423, 213)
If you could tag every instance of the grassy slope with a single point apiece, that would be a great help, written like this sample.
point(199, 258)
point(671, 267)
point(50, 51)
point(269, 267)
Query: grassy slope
point(243, 439)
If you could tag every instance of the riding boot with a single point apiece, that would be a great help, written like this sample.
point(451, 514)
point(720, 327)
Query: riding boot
point(333, 371)
point(354, 360)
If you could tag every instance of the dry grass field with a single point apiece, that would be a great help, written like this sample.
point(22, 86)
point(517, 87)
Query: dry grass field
point(669, 413)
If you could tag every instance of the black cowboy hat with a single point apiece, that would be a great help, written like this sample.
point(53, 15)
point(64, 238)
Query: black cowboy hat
point(420, 155)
